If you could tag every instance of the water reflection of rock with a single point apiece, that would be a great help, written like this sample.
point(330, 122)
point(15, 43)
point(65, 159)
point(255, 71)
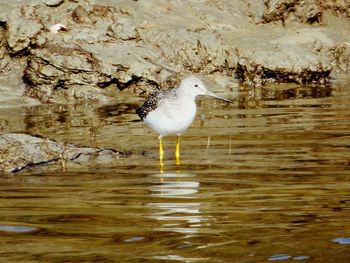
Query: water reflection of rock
point(174, 208)
point(251, 98)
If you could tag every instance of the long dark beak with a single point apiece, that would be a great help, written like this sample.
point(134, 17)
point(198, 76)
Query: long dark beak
point(217, 97)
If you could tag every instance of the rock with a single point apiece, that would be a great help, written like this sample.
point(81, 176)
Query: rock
point(11, 94)
point(21, 29)
point(80, 15)
point(341, 57)
point(275, 10)
point(62, 66)
point(111, 43)
point(55, 68)
point(306, 11)
point(21, 151)
point(300, 56)
point(4, 57)
point(102, 11)
point(124, 29)
point(6, 8)
point(338, 7)
point(142, 43)
point(261, 66)
point(309, 12)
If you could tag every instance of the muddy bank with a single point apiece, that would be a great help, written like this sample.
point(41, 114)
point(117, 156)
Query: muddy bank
point(75, 50)
point(21, 151)
point(67, 51)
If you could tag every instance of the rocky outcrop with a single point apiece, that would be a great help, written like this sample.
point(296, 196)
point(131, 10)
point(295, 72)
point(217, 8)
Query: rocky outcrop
point(337, 7)
point(19, 37)
point(74, 50)
point(260, 66)
point(21, 151)
point(304, 11)
point(340, 57)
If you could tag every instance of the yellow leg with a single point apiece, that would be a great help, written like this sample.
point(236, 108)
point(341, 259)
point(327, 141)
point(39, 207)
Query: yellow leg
point(161, 154)
point(177, 151)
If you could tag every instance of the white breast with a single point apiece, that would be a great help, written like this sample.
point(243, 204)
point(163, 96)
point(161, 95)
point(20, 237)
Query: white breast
point(172, 118)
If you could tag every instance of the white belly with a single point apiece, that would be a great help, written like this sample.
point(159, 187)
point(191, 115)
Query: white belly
point(172, 120)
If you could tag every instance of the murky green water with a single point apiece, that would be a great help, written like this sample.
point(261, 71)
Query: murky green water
point(264, 179)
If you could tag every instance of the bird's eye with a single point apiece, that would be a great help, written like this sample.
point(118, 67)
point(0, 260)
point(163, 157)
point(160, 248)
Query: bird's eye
point(195, 85)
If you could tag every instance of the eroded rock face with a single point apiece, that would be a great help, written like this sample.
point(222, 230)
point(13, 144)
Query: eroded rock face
point(99, 48)
point(338, 7)
point(340, 55)
point(108, 45)
point(21, 151)
point(261, 66)
point(75, 49)
point(22, 27)
point(305, 11)
point(4, 57)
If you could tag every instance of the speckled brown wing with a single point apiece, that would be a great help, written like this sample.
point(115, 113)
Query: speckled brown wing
point(150, 104)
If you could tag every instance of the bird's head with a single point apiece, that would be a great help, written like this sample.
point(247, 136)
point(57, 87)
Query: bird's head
point(194, 86)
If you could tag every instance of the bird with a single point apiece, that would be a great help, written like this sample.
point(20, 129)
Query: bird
point(172, 111)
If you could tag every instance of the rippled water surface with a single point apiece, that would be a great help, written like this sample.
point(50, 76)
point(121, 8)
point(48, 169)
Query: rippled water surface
point(266, 178)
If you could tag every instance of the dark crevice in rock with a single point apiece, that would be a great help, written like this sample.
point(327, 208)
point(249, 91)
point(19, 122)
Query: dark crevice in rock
point(314, 19)
point(136, 81)
point(259, 75)
point(23, 53)
point(108, 83)
point(27, 81)
point(30, 165)
point(60, 84)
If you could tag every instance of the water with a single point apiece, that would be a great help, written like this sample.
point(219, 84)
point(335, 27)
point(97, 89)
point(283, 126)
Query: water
point(264, 179)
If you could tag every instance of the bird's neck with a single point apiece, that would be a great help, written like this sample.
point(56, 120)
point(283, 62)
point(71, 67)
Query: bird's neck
point(186, 94)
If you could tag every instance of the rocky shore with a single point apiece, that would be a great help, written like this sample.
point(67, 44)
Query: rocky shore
point(75, 49)
point(22, 151)
point(62, 51)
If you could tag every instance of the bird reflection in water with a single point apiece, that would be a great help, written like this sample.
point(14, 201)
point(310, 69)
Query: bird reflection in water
point(176, 210)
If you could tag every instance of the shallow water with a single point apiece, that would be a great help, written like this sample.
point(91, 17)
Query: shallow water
point(266, 178)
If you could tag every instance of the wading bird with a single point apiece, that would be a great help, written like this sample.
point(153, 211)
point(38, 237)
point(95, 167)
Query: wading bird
point(172, 111)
